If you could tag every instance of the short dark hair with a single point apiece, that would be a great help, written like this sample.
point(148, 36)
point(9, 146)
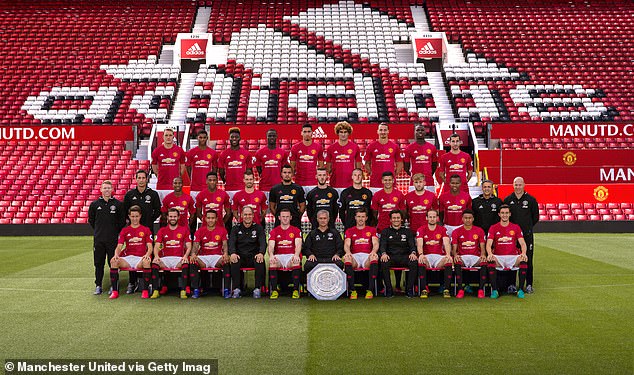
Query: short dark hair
point(468, 211)
point(142, 171)
point(203, 132)
point(307, 125)
point(505, 206)
point(455, 176)
point(387, 173)
point(285, 209)
point(211, 212)
point(173, 209)
point(248, 172)
point(362, 210)
point(454, 135)
point(135, 208)
point(396, 212)
point(212, 173)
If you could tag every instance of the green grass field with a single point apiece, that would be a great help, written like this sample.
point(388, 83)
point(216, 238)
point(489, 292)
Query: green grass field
point(578, 321)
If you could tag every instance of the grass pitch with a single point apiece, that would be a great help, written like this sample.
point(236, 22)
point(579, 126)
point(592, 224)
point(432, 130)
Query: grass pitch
point(578, 321)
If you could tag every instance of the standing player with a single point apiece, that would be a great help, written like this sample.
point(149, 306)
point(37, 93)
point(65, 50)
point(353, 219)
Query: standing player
point(247, 246)
point(106, 217)
point(434, 251)
point(182, 202)
point(455, 162)
point(486, 206)
point(305, 157)
point(285, 252)
point(342, 157)
point(168, 162)
point(452, 204)
point(322, 197)
point(382, 156)
point(269, 161)
point(503, 253)
point(421, 157)
point(361, 246)
point(467, 247)
point(249, 196)
point(287, 195)
point(134, 250)
point(209, 251)
point(233, 162)
point(397, 248)
point(525, 213)
point(386, 200)
point(215, 199)
point(200, 161)
point(171, 250)
point(353, 198)
point(418, 202)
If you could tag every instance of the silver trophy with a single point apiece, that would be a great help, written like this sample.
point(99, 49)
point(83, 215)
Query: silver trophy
point(326, 282)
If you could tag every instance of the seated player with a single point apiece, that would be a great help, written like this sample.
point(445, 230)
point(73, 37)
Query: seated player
point(467, 246)
point(134, 250)
point(323, 244)
point(247, 246)
point(285, 252)
point(171, 250)
point(452, 203)
point(397, 248)
point(361, 246)
point(434, 251)
point(209, 251)
point(503, 253)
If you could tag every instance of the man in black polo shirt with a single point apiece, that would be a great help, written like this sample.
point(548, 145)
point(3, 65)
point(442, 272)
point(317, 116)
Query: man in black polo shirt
point(247, 246)
point(322, 197)
point(485, 207)
point(323, 244)
point(288, 195)
point(397, 248)
point(525, 213)
point(107, 217)
point(353, 198)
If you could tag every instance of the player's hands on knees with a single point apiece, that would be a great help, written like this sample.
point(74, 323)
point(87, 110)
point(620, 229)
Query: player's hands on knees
point(235, 258)
point(336, 258)
point(483, 258)
point(184, 260)
point(313, 258)
point(225, 258)
point(449, 259)
point(491, 258)
point(523, 258)
point(347, 258)
point(457, 259)
point(146, 258)
point(258, 258)
point(296, 259)
point(373, 257)
point(385, 258)
point(422, 259)
point(413, 257)
point(115, 259)
point(193, 259)
point(157, 260)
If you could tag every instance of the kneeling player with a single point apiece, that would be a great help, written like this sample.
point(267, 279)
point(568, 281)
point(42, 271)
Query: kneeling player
point(171, 250)
point(434, 251)
point(467, 245)
point(134, 250)
point(503, 253)
point(397, 248)
point(285, 249)
point(209, 251)
point(361, 246)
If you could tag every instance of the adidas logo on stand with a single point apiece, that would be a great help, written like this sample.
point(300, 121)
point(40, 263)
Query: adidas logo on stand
point(319, 133)
point(195, 50)
point(427, 49)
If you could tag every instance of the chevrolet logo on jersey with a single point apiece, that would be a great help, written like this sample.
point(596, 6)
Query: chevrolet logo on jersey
point(342, 157)
point(356, 203)
point(388, 206)
point(361, 241)
point(172, 243)
point(323, 202)
point(285, 243)
point(422, 157)
point(382, 157)
point(455, 166)
point(168, 160)
point(505, 239)
point(418, 208)
point(210, 244)
point(432, 242)
point(286, 197)
point(202, 162)
point(306, 157)
point(135, 240)
point(270, 162)
point(235, 163)
point(468, 243)
point(454, 207)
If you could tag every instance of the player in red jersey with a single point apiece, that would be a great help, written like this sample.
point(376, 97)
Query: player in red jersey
point(418, 202)
point(503, 253)
point(134, 250)
point(215, 199)
point(452, 204)
point(232, 163)
point(201, 160)
point(269, 161)
point(467, 247)
point(171, 250)
point(250, 196)
point(305, 157)
point(342, 157)
point(455, 162)
point(361, 246)
point(386, 200)
point(182, 202)
point(382, 156)
point(209, 251)
point(434, 251)
point(285, 249)
point(168, 162)
point(421, 157)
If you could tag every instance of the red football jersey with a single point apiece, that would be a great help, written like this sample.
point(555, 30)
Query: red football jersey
point(256, 200)
point(173, 241)
point(458, 164)
point(168, 161)
point(383, 159)
point(306, 158)
point(135, 241)
point(201, 162)
point(361, 239)
point(432, 239)
point(184, 204)
point(343, 159)
point(505, 238)
point(210, 240)
point(235, 162)
point(417, 207)
point(218, 201)
point(452, 207)
point(468, 241)
point(271, 162)
point(383, 203)
point(284, 239)
point(420, 158)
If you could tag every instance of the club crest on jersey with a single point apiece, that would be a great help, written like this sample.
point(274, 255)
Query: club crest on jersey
point(349, 151)
point(278, 156)
point(179, 236)
point(426, 201)
point(217, 237)
point(512, 233)
point(329, 195)
point(184, 203)
point(475, 237)
point(462, 160)
point(256, 200)
point(462, 201)
point(218, 199)
point(292, 235)
point(314, 152)
point(241, 157)
point(364, 196)
point(428, 151)
point(390, 150)
point(293, 191)
point(174, 154)
point(208, 156)
point(395, 199)
point(438, 236)
point(368, 234)
point(141, 234)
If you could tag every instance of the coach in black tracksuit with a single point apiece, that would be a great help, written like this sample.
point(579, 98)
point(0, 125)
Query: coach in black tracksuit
point(525, 213)
point(107, 217)
point(486, 207)
point(397, 248)
point(247, 246)
point(352, 198)
point(323, 244)
point(144, 197)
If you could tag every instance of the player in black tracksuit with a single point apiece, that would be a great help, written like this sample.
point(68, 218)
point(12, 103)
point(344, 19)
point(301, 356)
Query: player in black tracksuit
point(322, 197)
point(486, 207)
point(288, 194)
point(397, 248)
point(352, 198)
